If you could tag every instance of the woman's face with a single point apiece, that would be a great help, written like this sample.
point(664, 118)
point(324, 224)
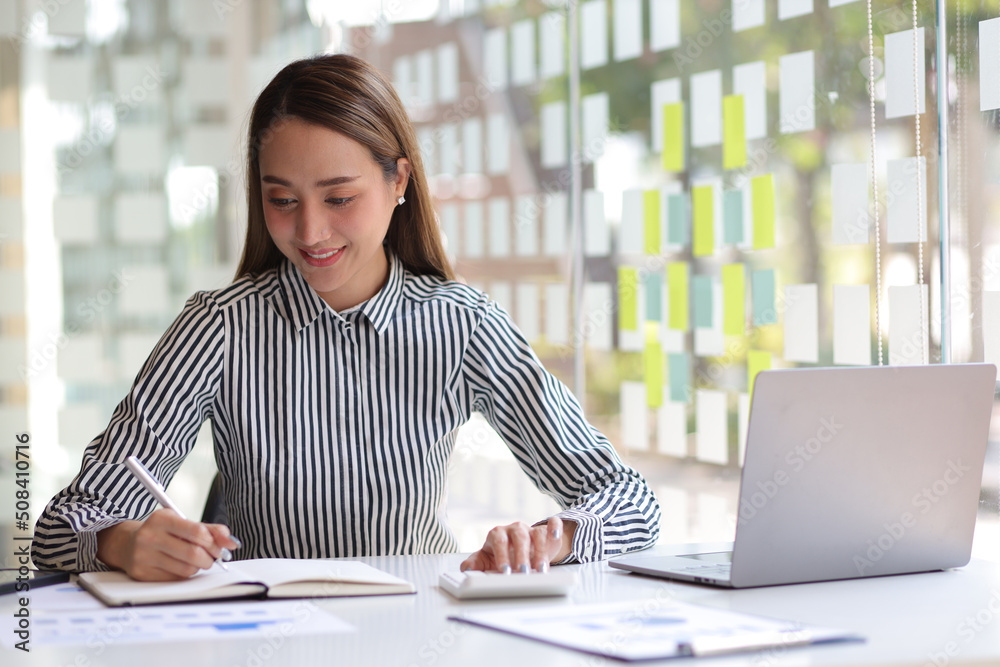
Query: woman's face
point(327, 207)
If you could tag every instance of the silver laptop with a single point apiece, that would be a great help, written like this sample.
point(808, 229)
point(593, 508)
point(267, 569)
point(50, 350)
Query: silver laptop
point(852, 472)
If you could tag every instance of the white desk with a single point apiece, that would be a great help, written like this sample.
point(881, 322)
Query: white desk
point(907, 619)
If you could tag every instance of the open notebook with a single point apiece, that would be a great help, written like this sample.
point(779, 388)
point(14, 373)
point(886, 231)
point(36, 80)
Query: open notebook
point(262, 577)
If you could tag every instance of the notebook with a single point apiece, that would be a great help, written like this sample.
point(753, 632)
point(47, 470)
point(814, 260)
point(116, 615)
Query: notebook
point(262, 577)
point(851, 472)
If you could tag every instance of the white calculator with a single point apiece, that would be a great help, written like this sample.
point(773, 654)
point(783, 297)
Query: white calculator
point(473, 584)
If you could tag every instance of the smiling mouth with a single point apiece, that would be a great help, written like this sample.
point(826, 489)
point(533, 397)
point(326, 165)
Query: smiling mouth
point(325, 255)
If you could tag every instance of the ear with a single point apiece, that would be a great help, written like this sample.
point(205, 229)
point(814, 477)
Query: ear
point(403, 170)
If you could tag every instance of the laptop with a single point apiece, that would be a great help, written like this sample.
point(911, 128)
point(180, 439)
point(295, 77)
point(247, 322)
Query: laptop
point(851, 472)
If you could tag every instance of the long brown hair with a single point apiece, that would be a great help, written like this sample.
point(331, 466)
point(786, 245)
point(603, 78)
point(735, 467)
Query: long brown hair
point(347, 95)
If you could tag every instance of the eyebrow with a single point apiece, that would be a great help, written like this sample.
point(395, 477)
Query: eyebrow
point(336, 180)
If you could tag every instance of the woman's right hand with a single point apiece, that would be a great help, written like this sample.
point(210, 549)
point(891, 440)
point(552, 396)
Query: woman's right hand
point(164, 547)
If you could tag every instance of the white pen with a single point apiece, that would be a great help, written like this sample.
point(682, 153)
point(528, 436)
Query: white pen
point(154, 487)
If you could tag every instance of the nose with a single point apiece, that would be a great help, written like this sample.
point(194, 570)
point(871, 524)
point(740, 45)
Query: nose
point(311, 225)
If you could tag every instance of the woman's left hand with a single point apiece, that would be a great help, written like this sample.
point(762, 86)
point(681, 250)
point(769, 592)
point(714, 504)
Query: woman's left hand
point(519, 547)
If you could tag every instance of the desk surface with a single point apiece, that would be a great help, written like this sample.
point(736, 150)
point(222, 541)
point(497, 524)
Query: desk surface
point(908, 620)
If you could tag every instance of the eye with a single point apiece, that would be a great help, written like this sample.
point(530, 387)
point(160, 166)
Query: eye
point(340, 201)
point(278, 202)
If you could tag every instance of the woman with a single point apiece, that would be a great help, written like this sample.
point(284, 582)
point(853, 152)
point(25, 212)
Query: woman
point(335, 371)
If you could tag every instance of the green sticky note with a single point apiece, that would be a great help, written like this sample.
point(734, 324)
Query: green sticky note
point(680, 388)
point(701, 294)
point(677, 220)
point(653, 358)
point(763, 211)
point(734, 139)
point(733, 300)
point(757, 361)
point(762, 294)
point(673, 137)
point(732, 216)
point(651, 206)
point(653, 284)
point(703, 214)
point(628, 288)
point(677, 293)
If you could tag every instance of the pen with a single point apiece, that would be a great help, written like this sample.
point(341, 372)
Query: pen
point(154, 487)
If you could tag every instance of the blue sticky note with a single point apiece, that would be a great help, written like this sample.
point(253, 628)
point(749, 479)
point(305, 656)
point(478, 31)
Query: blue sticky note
point(680, 387)
point(732, 216)
point(701, 294)
point(677, 220)
point(653, 283)
point(762, 291)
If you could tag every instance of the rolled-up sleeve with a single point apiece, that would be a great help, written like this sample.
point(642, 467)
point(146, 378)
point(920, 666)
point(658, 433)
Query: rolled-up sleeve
point(158, 421)
point(564, 455)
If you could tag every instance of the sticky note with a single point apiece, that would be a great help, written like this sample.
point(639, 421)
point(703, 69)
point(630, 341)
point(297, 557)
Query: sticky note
point(139, 148)
point(747, 14)
point(899, 80)
point(677, 289)
point(711, 341)
point(75, 219)
point(651, 222)
point(679, 365)
point(762, 188)
point(627, 24)
point(148, 293)
point(801, 331)
point(666, 91)
point(734, 141)
point(501, 292)
point(909, 321)
point(673, 137)
point(495, 58)
point(734, 317)
point(712, 424)
point(703, 222)
point(528, 313)
point(523, 70)
point(472, 146)
point(628, 283)
point(991, 327)
point(750, 81)
point(557, 313)
point(664, 24)
point(554, 135)
point(837, 3)
point(631, 232)
point(671, 440)
point(474, 237)
point(448, 149)
point(732, 216)
point(677, 219)
point(762, 294)
point(796, 92)
point(742, 425)
point(653, 362)
point(447, 72)
point(989, 64)
point(141, 218)
point(852, 325)
point(757, 361)
point(594, 110)
point(706, 108)
point(498, 144)
point(552, 59)
point(424, 84)
point(703, 304)
point(70, 79)
point(632, 407)
point(596, 233)
point(598, 325)
point(499, 227)
point(593, 34)
point(849, 192)
point(525, 226)
point(791, 8)
point(402, 79)
point(652, 283)
point(901, 204)
point(555, 224)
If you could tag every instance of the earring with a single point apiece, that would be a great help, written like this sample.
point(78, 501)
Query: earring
point(401, 200)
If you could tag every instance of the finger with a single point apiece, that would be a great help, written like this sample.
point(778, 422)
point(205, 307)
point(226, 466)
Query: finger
point(498, 543)
point(520, 547)
point(541, 549)
point(187, 541)
point(224, 539)
point(477, 561)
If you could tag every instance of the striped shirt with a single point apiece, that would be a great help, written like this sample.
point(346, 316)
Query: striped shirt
point(333, 431)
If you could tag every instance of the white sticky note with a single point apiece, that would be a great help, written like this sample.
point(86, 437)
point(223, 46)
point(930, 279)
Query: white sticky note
point(141, 218)
point(750, 81)
point(801, 325)
point(557, 313)
point(851, 325)
point(989, 64)
point(133, 351)
point(11, 224)
point(593, 34)
point(138, 80)
point(837, 3)
point(423, 89)
point(634, 340)
point(712, 424)
point(70, 79)
point(742, 424)
point(402, 79)
point(991, 327)
point(706, 108)
point(627, 24)
point(552, 61)
point(525, 226)
point(10, 149)
point(711, 341)
point(901, 201)
point(447, 72)
point(899, 97)
point(499, 227)
point(596, 233)
point(595, 111)
point(671, 427)
point(523, 67)
point(631, 231)
point(474, 237)
point(849, 191)
point(140, 148)
point(12, 294)
point(209, 145)
point(202, 19)
point(634, 420)
point(554, 136)
point(205, 81)
point(667, 91)
point(449, 229)
point(448, 149)
point(528, 310)
point(208, 277)
point(147, 293)
point(472, 146)
point(8, 20)
point(495, 58)
point(747, 14)
point(555, 224)
point(75, 219)
point(80, 421)
point(797, 92)
point(66, 18)
point(427, 140)
point(664, 24)
point(598, 316)
point(501, 292)
point(909, 320)
point(790, 8)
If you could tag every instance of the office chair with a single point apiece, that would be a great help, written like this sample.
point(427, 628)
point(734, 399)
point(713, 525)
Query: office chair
point(215, 504)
